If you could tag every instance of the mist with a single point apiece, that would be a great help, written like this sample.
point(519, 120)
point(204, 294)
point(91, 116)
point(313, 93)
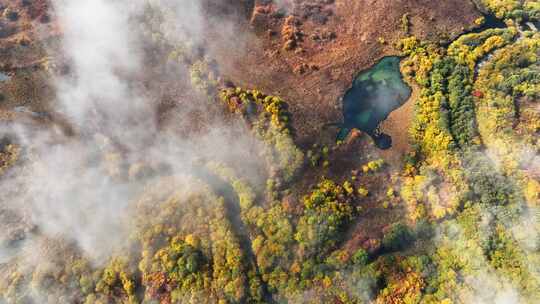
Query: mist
point(135, 117)
point(79, 188)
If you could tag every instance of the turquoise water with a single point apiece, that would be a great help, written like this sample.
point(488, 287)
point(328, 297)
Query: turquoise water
point(374, 94)
point(4, 77)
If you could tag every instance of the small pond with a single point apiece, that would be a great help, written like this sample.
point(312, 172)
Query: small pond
point(374, 94)
point(4, 77)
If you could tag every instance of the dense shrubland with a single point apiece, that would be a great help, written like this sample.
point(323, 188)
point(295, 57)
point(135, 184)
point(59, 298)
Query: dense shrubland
point(469, 133)
point(270, 122)
point(513, 9)
point(9, 154)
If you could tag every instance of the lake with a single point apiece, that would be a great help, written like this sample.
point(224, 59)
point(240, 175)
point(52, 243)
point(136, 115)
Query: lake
point(374, 94)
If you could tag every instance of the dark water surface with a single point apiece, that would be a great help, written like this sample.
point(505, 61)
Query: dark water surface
point(4, 77)
point(375, 93)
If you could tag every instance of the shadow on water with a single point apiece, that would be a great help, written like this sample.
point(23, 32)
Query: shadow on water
point(374, 94)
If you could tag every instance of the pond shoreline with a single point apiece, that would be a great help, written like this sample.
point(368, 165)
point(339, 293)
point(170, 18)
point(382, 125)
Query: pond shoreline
point(374, 94)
